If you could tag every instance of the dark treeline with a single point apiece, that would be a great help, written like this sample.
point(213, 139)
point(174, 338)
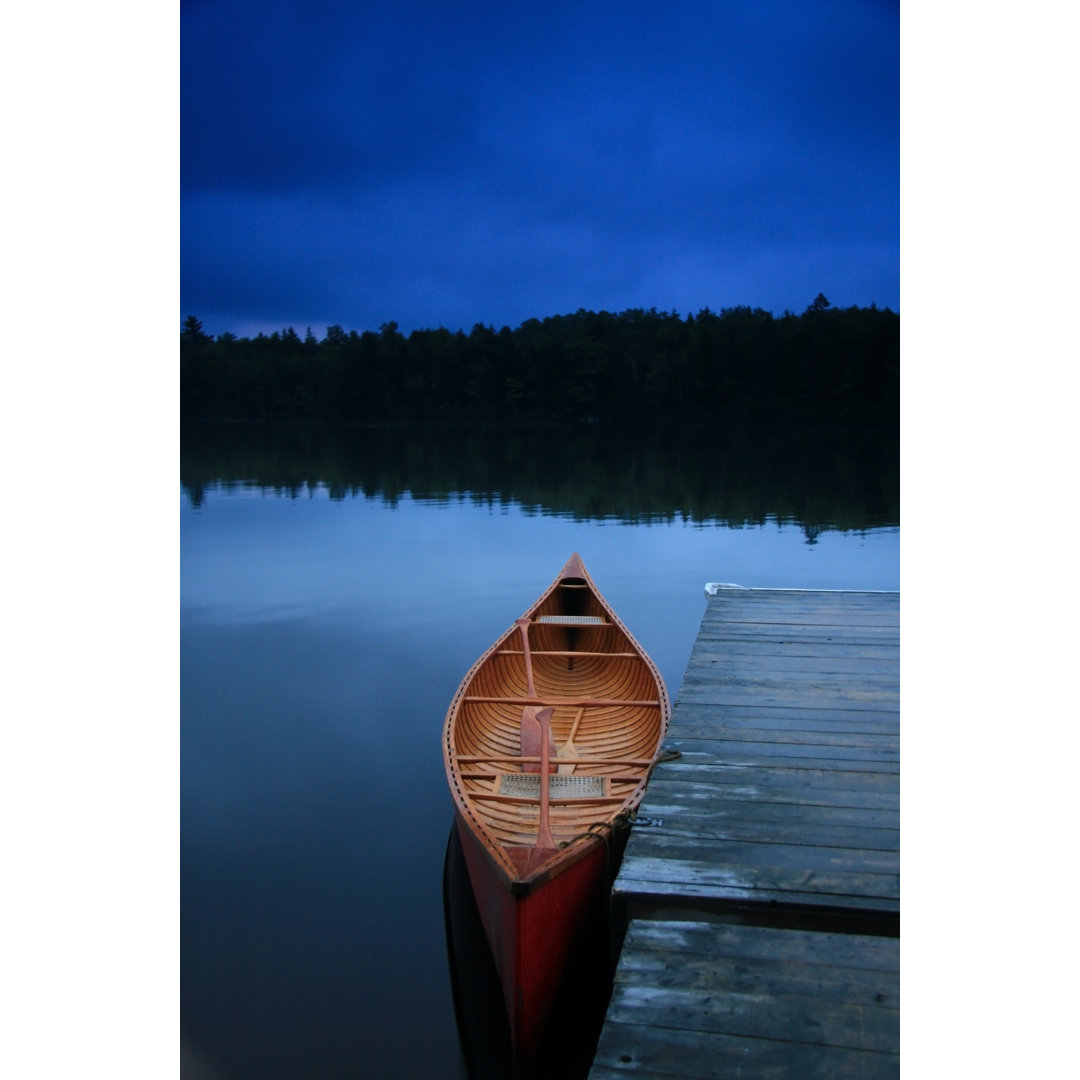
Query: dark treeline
point(743, 365)
point(820, 479)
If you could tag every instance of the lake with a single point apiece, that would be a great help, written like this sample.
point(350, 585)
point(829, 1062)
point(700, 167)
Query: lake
point(335, 587)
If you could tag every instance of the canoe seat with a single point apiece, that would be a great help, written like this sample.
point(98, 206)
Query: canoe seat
point(527, 786)
point(571, 620)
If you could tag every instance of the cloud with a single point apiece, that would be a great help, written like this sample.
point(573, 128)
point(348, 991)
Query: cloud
point(444, 165)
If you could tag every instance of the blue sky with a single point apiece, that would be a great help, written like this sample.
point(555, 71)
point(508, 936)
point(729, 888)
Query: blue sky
point(436, 164)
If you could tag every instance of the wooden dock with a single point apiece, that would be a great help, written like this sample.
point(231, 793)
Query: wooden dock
point(760, 891)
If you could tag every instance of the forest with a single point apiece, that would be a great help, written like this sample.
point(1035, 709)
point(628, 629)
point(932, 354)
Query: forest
point(742, 365)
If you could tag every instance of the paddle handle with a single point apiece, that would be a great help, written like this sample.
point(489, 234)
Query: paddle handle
point(574, 727)
point(523, 626)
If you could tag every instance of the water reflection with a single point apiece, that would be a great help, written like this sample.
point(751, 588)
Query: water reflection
point(483, 1029)
point(818, 479)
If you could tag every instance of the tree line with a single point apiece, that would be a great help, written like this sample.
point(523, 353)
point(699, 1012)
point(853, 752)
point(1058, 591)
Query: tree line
point(741, 365)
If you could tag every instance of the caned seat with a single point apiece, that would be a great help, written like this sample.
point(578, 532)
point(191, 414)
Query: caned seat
point(527, 785)
point(571, 620)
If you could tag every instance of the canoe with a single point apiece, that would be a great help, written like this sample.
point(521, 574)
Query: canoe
point(568, 694)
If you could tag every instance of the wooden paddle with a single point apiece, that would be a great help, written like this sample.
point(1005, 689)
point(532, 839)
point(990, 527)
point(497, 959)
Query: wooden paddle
point(569, 750)
point(543, 832)
point(523, 626)
point(532, 729)
point(536, 737)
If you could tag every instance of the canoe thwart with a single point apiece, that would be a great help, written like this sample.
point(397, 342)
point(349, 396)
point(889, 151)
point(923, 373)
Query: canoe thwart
point(559, 701)
point(517, 759)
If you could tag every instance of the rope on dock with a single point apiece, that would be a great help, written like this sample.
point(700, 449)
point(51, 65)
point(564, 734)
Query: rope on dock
point(623, 821)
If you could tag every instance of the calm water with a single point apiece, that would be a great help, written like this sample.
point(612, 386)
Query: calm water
point(334, 590)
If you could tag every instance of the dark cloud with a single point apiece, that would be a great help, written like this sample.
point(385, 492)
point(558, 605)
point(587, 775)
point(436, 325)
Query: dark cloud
point(435, 163)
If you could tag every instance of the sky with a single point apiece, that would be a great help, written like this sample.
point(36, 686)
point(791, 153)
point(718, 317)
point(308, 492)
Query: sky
point(435, 164)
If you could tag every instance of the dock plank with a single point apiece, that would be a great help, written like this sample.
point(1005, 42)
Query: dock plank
point(703, 879)
point(702, 767)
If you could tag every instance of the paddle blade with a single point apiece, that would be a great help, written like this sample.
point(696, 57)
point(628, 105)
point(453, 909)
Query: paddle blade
point(532, 737)
point(570, 750)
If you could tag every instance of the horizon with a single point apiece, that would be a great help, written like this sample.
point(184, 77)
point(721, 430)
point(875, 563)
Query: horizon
point(320, 331)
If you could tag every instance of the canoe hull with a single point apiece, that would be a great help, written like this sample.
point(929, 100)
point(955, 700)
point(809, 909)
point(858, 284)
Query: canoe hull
point(535, 938)
point(540, 853)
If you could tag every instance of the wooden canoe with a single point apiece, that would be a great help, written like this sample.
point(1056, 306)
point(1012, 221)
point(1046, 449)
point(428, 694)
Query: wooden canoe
point(568, 693)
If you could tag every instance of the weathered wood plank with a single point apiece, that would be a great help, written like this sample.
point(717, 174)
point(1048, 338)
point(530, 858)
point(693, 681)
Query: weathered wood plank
point(814, 603)
point(703, 719)
point(781, 733)
point(811, 599)
point(710, 778)
point(713, 638)
point(734, 754)
point(687, 891)
point(779, 696)
point(813, 1019)
point(792, 802)
point(832, 760)
point(714, 657)
point(705, 999)
point(827, 693)
point(809, 671)
point(683, 805)
point(701, 762)
point(806, 680)
point(887, 596)
point(721, 663)
point(707, 850)
point(703, 828)
point(780, 736)
point(816, 606)
point(647, 1053)
point(701, 751)
point(793, 626)
point(779, 637)
point(701, 940)
point(668, 874)
point(759, 611)
point(824, 786)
